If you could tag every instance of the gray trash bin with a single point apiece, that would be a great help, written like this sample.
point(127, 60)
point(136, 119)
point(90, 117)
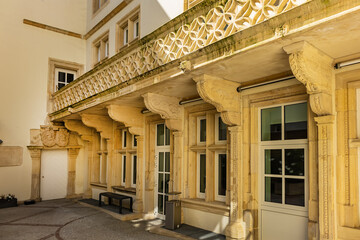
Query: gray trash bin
point(173, 214)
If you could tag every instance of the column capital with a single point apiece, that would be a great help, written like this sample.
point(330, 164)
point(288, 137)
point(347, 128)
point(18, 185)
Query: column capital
point(131, 117)
point(315, 70)
point(167, 107)
point(102, 124)
point(223, 95)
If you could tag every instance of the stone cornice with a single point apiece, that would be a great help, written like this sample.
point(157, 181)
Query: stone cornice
point(223, 95)
point(199, 33)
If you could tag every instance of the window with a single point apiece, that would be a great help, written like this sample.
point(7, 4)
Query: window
point(63, 77)
point(134, 142)
point(208, 134)
point(284, 163)
point(124, 133)
point(101, 48)
point(162, 135)
point(128, 29)
point(220, 176)
point(201, 175)
point(98, 4)
point(123, 175)
point(133, 170)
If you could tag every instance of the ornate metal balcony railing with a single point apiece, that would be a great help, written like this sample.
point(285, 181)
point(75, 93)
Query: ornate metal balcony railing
point(220, 22)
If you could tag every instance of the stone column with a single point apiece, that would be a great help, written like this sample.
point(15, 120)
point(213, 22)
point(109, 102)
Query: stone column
point(178, 157)
point(72, 155)
point(138, 204)
point(326, 153)
point(35, 173)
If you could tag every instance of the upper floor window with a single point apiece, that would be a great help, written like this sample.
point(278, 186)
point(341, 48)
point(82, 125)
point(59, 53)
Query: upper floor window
point(101, 48)
point(98, 4)
point(63, 77)
point(128, 29)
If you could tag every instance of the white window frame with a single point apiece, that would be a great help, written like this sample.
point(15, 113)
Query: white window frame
point(125, 35)
point(283, 144)
point(124, 138)
point(218, 197)
point(136, 28)
point(107, 48)
point(123, 169)
point(132, 169)
point(217, 141)
point(198, 130)
point(66, 71)
point(198, 193)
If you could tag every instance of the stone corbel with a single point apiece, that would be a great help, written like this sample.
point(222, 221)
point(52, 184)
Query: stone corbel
point(102, 124)
point(223, 95)
point(77, 126)
point(167, 107)
point(315, 70)
point(131, 117)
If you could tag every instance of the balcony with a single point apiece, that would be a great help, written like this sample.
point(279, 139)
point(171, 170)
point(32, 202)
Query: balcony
point(211, 37)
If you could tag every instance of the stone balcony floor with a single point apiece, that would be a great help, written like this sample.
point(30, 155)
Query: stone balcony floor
point(65, 219)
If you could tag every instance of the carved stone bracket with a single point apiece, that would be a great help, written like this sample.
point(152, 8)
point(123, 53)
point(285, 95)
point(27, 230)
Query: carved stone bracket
point(78, 127)
point(102, 124)
point(131, 117)
point(315, 70)
point(223, 95)
point(167, 107)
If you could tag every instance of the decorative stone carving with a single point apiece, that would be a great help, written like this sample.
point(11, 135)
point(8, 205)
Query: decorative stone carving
point(48, 136)
point(167, 107)
point(223, 95)
point(62, 137)
point(315, 70)
point(102, 124)
point(131, 117)
point(78, 127)
point(218, 23)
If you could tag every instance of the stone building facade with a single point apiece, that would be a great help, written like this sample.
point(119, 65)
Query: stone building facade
point(246, 108)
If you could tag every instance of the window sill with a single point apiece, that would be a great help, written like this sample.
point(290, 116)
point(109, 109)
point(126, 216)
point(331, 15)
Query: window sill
point(122, 189)
point(214, 147)
point(215, 207)
point(98, 185)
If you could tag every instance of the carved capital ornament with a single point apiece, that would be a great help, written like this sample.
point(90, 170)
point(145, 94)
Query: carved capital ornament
point(223, 95)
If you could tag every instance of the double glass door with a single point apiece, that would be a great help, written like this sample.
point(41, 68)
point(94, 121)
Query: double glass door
point(162, 167)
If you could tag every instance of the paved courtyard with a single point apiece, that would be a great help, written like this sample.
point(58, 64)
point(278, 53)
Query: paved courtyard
point(65, 220)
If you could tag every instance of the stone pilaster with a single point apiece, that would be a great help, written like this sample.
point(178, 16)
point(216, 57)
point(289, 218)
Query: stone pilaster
point(138, 204)
point(178, 157)
point(35, 173)
point(72, 155)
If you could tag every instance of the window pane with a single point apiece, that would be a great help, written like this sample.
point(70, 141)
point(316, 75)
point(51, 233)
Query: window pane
point(294, 162)
point(167, 136)
point(271, 124)
point(222, 130)
point(160, 135)
point(166, 199)
point(124, 168)
point(61, 77)
point(135, 141)
point(167, 180)
point(134, 169)
point(294, 192)
point(202, 173)
point(161, 204)
point(161, 183)
point(222, 175)
point(70, 77)
point(273, 161)
point(167, 161)
point(124, 139)
point(296, 121)
point(60, 85)
point(273, 189)
point(202, 130)
point(161, 161)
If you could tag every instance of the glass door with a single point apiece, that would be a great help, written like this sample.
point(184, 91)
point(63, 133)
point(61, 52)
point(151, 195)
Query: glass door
point(162, 166)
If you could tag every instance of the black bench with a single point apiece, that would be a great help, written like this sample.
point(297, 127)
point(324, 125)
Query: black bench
point(120, 197)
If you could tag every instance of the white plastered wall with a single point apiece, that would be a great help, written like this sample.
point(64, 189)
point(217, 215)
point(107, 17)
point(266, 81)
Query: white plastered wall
point(153, 14)
point(25, 51)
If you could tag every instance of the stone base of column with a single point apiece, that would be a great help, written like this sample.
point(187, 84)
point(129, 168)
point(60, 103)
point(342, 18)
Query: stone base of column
point(138, 206)
point(235, 230)
point(313, 230)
